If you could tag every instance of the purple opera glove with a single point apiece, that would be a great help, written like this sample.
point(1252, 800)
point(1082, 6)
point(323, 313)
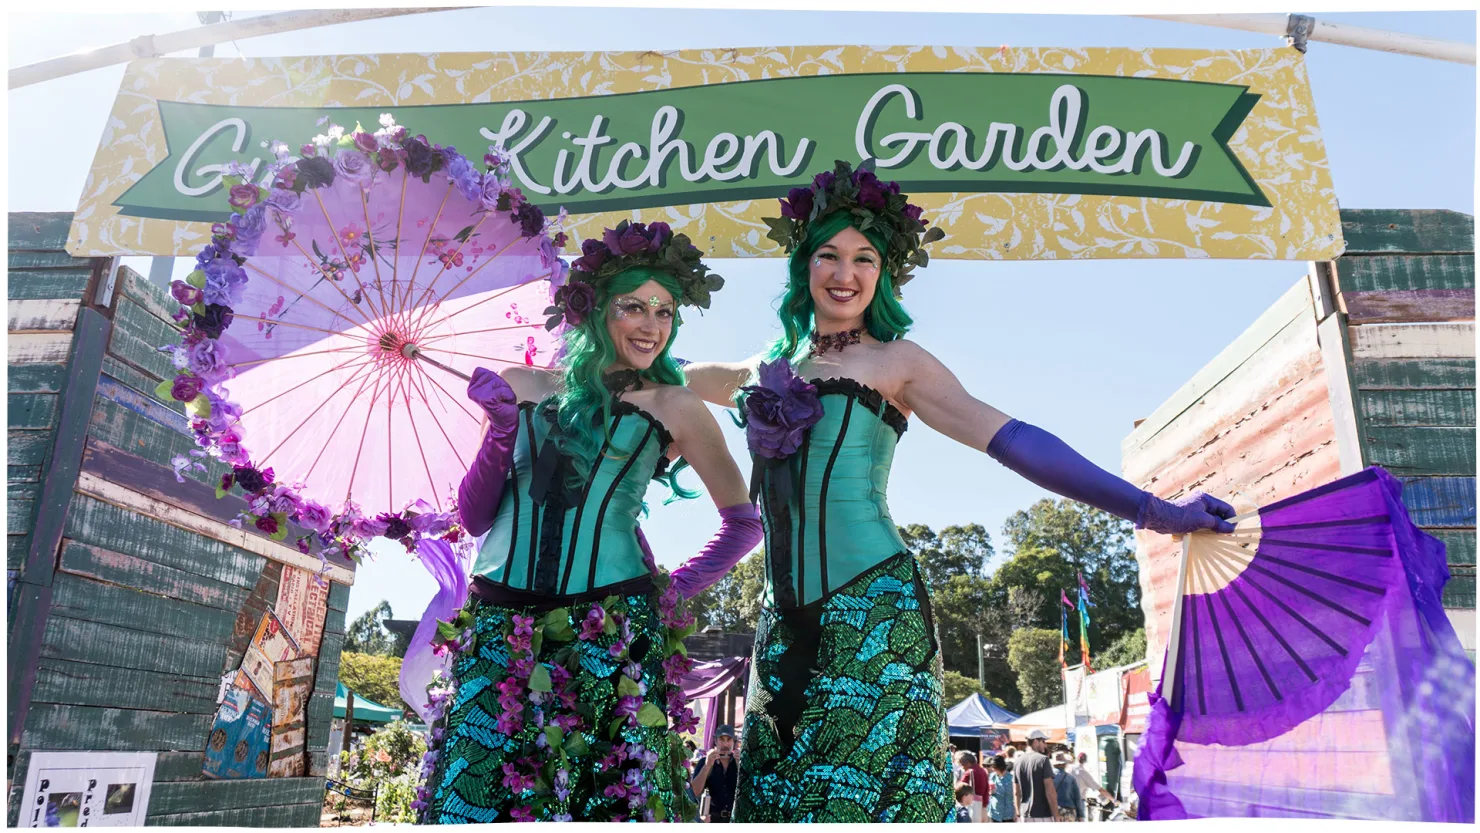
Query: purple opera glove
point(483, 486)
point(739, 531)
point(1049, 462)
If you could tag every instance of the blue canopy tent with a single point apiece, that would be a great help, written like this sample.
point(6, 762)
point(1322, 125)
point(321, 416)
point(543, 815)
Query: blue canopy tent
point(980, 718)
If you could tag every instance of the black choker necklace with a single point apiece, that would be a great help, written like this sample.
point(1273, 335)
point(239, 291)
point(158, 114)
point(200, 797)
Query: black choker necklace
point(834, 341)
point(621, 381)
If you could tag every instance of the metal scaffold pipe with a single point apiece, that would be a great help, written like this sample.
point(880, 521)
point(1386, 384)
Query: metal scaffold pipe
point(1299, 29)
point(152, 46)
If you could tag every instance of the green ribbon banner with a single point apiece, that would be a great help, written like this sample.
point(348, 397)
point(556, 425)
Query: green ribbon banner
point(933, 132)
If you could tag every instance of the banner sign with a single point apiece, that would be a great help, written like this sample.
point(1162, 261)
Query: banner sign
point(1016, 153)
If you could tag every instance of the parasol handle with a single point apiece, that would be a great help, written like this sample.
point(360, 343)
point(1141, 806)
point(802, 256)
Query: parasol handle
point(411, 351)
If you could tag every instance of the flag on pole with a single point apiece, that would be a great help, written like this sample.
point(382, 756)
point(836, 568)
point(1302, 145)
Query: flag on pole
point(1084, 605)
point(1064, 637)
point(1064, 597)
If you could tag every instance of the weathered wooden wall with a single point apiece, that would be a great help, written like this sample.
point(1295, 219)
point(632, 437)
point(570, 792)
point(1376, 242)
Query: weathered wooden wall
point(131, 592)
point(1368, 360)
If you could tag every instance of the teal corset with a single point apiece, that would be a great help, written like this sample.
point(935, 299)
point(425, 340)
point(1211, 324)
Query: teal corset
point(551, 539)
point(836, 524)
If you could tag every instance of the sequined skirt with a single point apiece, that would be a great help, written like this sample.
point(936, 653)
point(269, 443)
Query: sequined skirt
point(844, 721)
point(560, 716)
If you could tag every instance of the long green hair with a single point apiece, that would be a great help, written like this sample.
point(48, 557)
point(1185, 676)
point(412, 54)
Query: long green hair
point(885, 319)
point(584, 406)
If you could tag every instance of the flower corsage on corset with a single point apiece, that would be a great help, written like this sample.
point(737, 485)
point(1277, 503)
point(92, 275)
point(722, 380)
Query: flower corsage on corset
point(876, 206)
point(629, 245)
point(777, 412)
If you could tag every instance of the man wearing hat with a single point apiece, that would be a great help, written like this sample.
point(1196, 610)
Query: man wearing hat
point(1035, 778)
point(1066, 789)
point(717, 774)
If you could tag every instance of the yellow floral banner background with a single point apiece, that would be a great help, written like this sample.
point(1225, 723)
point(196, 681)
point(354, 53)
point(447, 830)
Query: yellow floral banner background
point(1279, 144)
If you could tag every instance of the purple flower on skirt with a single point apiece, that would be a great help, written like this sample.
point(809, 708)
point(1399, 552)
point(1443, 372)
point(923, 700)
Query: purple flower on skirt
point(779, 411)
point(628, 706)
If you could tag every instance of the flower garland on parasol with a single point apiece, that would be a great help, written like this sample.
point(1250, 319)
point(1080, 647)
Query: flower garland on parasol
point(318, 301)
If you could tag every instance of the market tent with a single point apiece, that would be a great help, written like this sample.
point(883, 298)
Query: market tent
point(970, 716)
point(1052, 720)
point(366, 711)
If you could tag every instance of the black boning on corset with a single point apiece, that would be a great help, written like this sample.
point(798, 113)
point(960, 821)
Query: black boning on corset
point(868, 397)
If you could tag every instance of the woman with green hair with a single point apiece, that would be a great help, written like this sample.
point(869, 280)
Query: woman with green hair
point(844, 719)
point(565, 701)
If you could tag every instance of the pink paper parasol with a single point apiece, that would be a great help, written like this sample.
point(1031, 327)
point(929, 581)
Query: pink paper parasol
point(339, 305)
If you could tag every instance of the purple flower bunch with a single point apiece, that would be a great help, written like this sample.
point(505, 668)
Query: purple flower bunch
point(779, 411)
point(592, 625)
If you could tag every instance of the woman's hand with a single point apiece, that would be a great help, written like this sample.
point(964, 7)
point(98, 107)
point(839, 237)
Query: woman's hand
point(496, 398)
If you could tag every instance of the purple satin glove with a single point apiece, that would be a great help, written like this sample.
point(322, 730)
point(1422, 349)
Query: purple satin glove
point(1050, 463)
point(739, 531)
point(483, 486)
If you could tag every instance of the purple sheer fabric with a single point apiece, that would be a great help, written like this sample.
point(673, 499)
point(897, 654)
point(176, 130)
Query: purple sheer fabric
point(450, 570)
point(1323, 679)
point(707, 680)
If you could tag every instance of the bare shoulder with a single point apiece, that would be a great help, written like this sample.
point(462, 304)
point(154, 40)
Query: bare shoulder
point(530, 383)
point(677, 399)
point(905, 360)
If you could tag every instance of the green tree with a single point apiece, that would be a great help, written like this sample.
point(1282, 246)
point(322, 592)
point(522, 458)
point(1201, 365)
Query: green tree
point(374, 676)
point(1128, 649)
point(957, 687)
point(1033, 654)
point(956, 551)
point(368, 634)
point(733, 603)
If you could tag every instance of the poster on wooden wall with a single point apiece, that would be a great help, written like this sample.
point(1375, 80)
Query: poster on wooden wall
point(270, 645)
point(302, 605)
point(292, 683)
point(240, 738)
point(87, 789)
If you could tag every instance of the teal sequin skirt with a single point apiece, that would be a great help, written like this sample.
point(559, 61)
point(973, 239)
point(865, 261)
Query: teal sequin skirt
point(844, 721)
point(551, 722)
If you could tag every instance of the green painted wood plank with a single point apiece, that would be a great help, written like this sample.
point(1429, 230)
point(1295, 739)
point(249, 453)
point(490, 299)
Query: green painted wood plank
point(151, 297)
point(1459, 592)
point(111, 645)
point(45, 260)
point(15, 776)
point(106, 526)
point(1405, 272)
point(16, 549)
point(23, 490)
point(81, 598)
point(319, 714)
point(20, 516)
point(137, 337)
point(1440, 502)
point(1459, 544)
point(1430, 408)
point(38, 229)
point(1414, 374)
point(334, 621)
point(32, 411)
point(293, 815)
point(145, 405)
point(32, 284)
point(169, 799)
point(130, 431)
point(27, 448)
point(327, 672)
point(148, 576)
point(1383, 231)
point(1407, 451)
point(180, 766)
point(81, 684)
point(338, 596)
point(138, 380)
point(23, 474)
point(39, 377)
point(53, 726)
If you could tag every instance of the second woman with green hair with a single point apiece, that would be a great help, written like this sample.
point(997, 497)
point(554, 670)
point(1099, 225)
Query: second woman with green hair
point(564, 701)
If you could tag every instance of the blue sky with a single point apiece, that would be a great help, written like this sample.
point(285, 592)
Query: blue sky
point(1081, 348)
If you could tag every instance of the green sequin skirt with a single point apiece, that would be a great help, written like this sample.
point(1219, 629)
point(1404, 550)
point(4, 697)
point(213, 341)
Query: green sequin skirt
point(575, 751)
point(844, 721)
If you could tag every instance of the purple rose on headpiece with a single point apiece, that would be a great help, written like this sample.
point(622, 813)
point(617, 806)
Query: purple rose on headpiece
point(577, 298)
point(185, 388)
point(207, 359)
point(593, 254)
point(243, 196)
point(215, 319)
point(314, 516)
point(823, 181)
point(463, 175)
point(353, 166)
point(249, 229)
point(870, 191)
point(366, 142)
point(627, 241)
point(315, 172)
point(779, 410)
point(421, 160)
point(660, 232)
point(912, 211)
point(892, 187)
point(798, 204)
point(284, 200)
point(185, 293)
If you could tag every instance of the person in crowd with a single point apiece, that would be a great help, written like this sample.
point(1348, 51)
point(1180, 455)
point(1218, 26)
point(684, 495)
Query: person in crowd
point(717, 773)
point(1004, 798)
point(1066, 789)
point(974, 776)
point(1037, 800)
point(825, 406)
point(1088, 786)
point(965, 804)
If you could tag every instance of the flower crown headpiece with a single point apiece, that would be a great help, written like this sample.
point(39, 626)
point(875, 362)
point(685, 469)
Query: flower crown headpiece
point(627, 246)
point(876, 206)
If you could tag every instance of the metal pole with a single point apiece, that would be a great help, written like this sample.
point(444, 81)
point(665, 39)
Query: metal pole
point(349, 716)
point(1299, 28)
point(981, 662)
point(153, 46)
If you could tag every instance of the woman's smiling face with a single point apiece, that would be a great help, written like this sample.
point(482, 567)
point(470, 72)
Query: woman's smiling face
point(640, 323)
